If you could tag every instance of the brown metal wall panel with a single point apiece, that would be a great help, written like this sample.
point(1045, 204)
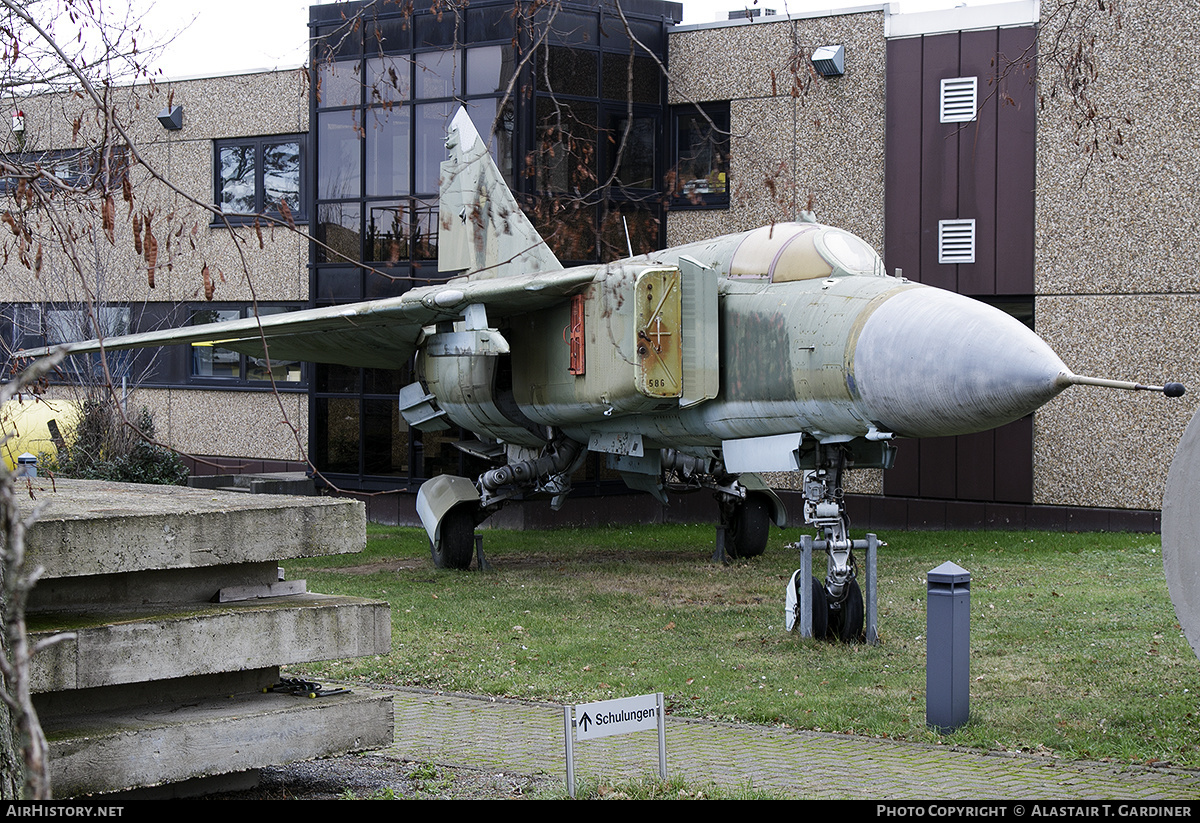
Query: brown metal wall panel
point(982, 170)
point(1046, 518)
point(1014, 463)
point(904, 478)
point(939, 461)
point(902, 189)
point(966, 515)
point(1005, 516)
point(896, 514)
point(1016, 161)
point(927, 515)
point(939, 158)
point(893, 512)
point(976, 467)
point(977, 163)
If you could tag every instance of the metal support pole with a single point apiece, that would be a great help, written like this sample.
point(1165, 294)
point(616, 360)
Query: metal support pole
point(662, 737)
point(570, 750)
point(870, 584)
point(804, 586)
point(719, 555)
point(482, 563)
point(871, 593)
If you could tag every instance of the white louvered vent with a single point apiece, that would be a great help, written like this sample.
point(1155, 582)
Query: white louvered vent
point(956, 241)
point(959, 99)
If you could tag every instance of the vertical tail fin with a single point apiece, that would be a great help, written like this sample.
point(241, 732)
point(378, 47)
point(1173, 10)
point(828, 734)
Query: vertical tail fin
point(481, 229)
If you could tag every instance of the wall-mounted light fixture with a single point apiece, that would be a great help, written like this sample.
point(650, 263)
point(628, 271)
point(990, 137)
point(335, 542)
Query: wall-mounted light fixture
point(171, 118)
point(830, 61)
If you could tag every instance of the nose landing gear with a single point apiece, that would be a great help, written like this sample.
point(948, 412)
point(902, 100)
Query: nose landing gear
point(838, 609)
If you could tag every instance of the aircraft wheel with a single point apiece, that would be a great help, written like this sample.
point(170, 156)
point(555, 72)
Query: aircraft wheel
point(846, 624)
point(820, 610)
point(749, 527)
point(458, 539)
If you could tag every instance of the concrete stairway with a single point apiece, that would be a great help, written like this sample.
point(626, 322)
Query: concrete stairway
point(262, 483)
point(180, 623)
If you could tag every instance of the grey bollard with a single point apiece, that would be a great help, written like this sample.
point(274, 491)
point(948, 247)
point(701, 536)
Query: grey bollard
point(27, 465)
point(948, 644)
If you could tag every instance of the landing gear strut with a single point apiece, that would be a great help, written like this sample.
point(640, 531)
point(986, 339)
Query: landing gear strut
point(450, 507)
point(845, 613)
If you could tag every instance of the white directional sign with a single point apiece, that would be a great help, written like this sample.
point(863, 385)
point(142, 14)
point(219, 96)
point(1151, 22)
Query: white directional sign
point(608, 717)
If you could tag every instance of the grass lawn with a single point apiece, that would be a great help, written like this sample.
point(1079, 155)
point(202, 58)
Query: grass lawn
point(1075, 648)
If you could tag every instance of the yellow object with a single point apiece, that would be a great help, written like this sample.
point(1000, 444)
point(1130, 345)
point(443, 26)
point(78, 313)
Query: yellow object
point(26, 422)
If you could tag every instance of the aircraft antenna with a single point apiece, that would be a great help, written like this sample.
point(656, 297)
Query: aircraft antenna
point(628, 242)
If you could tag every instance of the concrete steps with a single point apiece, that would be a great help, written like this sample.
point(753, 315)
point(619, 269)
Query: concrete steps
point(96, 751)
point(297, 483)
point(161, 682)
point(182, 640)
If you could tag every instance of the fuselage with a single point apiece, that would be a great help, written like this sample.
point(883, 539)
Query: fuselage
point(803, 329)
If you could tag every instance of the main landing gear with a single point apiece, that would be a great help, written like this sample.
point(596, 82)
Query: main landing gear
point(451, 507)
point(746, 525)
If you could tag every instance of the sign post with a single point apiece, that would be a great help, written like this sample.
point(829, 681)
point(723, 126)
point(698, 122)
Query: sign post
point(609, 717)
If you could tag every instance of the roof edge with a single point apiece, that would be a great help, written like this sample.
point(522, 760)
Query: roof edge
point(781, 18)
point(963, 18)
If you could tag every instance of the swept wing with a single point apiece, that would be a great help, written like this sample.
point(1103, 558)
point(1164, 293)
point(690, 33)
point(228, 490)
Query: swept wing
point(375, 334)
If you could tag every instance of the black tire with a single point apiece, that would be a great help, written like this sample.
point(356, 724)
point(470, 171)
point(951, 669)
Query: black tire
point(846, 624)
point(458, 539)
point(749, 527)
point(820, 610)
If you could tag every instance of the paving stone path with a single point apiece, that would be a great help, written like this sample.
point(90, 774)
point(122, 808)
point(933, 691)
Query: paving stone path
point(527, 738)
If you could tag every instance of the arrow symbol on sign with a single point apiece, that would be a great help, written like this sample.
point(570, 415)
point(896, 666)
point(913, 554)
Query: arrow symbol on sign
point(585, 721)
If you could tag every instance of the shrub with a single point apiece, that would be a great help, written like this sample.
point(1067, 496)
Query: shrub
point(105, 448)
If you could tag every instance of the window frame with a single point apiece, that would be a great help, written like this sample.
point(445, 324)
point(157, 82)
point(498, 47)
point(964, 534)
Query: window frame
point(242, 380)
point(80, 168)
point(719, 113)
point(261, 209)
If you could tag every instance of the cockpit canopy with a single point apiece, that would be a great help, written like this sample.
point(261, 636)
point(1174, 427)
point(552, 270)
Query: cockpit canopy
point(803, 251)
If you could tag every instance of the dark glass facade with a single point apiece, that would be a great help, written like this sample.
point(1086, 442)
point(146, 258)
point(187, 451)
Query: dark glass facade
point(573, 103)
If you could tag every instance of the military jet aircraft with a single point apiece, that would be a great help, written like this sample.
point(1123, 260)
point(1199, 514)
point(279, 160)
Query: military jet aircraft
point(784, 348)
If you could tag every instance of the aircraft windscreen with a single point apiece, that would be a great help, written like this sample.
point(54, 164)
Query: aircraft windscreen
point(802, 251)
point(849, 254)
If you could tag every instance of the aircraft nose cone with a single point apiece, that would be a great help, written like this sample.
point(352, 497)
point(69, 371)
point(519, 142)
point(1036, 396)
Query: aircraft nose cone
point(931, 363)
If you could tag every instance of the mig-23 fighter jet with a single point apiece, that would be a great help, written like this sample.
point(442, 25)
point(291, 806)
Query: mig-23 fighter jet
point(784, 348)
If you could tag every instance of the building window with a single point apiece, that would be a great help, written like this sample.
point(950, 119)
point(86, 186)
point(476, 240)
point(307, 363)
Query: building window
point(27, 329)
point(565, 153)
point(77, 168)
point(632, 148)
point(1016, 306)
point(700, 156)
point(211, 362)
point(257, 175)
point(553, 120)
point(34, 325)
point(959, 99)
